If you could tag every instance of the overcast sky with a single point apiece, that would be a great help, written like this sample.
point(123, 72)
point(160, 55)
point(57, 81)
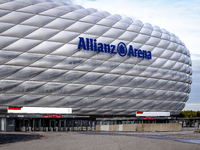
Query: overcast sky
point(181, 17)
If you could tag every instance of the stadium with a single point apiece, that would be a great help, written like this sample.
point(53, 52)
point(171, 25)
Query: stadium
point(62, 62)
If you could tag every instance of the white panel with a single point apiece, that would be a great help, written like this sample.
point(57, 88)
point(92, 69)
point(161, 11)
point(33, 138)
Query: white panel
point(73, 16)
point(120, 127)
point(134, 28)
point(42, 34)
point(128, 36)
point(121, 25)
point(64, 36)
point(153, 114)
point(66, 50)
point(104, 127)
point(91, 19)
point(112, 33)
point(59, 24)
point(48, 4)
point(12, 5)
point(33, 9)
point(17, 31)
point(54, 12)
point(15, 17)
point(42, 110)
point(3, 12)
point(141, 38)
point(97, 30)
point(22, 45)
point(106, 22)
point(46, 47)
point(145, 31)
point(76, 27)
point(33, 21)
point(5, 41)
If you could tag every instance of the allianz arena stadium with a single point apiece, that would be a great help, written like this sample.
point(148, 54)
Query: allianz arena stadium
point(69, 60)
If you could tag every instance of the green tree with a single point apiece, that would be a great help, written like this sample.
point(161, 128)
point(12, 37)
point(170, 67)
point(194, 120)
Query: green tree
point(198, 113)
point(189, 113)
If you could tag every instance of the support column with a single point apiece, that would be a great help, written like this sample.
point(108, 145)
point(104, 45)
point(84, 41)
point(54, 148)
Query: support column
point(3, 124)
point(43, 126)
point(86, 125)
point(59, 125)
point(54, 123)
point(33, 125)
point(23, 125)
point(94, 125)
point(64, 128)
point(40, 127)
point(29, 125)
point(81, 125)
point(46, 125)
point(72, 125)
point(50, 128)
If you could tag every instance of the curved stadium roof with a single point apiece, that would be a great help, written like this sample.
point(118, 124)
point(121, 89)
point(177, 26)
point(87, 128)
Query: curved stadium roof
point(41, 65)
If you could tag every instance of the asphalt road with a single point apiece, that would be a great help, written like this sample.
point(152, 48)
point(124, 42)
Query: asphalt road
point(108, 141)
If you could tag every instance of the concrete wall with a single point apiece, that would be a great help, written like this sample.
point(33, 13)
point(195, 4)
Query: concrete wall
point(141, 127)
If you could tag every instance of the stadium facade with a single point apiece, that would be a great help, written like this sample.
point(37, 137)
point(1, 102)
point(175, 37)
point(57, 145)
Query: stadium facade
point(65, 61)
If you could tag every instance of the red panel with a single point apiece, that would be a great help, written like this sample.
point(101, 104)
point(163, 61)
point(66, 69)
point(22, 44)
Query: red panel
point(139, 112)
point(51, 116)
point(148, 118)
point(14, 108)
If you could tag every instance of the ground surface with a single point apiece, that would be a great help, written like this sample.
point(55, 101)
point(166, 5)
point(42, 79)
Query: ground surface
point(9, 138)
point(107, 141)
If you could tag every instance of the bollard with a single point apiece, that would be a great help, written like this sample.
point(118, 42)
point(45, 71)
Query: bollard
point(23, 129)
point(196, 126)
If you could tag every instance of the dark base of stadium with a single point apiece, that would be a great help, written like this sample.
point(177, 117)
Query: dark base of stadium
point(33, 122)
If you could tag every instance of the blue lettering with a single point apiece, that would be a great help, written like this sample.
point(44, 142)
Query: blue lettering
point(91, 44)
point(113, 49)
point(81, 43)
point(100, 47)
point(130, 52)
point(135, 52)
point(87, 44)
point(95, 45)
point(121, 49)
point(144, 54)
point(107, 48)
point(140, 53)
point(149, 55)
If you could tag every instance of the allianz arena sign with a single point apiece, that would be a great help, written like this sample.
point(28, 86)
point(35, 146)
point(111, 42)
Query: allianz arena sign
point(92, 45)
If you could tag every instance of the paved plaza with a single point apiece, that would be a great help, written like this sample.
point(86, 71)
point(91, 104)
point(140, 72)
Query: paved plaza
point(184, 140)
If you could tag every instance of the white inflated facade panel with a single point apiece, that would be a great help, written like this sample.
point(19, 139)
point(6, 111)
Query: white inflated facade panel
point(40, 65)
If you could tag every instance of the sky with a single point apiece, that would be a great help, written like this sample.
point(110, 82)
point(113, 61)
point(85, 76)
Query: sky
point(181, 17)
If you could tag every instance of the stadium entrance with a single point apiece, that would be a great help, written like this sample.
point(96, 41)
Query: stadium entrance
point(53, 124)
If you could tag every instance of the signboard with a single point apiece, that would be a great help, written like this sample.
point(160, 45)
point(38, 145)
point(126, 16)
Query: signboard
point(151, 114)
point(121, 48)
point(39, 110)
point(148, 118)
point(51, 116)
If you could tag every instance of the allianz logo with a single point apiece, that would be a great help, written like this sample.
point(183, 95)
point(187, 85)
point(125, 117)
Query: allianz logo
point(121, 48)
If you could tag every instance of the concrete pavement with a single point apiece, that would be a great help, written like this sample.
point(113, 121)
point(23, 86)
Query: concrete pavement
point(108, 141)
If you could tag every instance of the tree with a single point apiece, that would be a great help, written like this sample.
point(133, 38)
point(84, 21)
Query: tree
point(189, 113)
